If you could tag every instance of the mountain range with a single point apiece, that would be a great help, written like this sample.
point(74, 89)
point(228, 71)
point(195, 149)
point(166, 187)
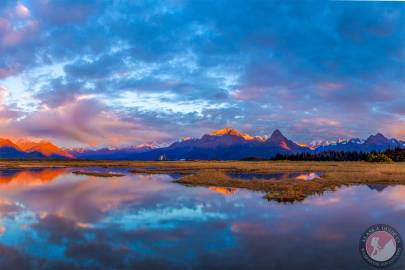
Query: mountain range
point(31, 150)
point(230, 144)
point(223, 144)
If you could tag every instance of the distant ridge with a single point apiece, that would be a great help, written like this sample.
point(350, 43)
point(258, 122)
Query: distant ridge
point(223, 144)
point(231, 144)
point(29, 149)
point(46, 148)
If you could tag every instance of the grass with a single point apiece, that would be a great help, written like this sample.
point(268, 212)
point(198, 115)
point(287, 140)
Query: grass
point(335, 175)
point(214, 173)
point(98, 174)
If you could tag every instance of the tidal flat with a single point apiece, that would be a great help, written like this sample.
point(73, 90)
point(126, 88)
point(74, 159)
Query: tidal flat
point(228, 174)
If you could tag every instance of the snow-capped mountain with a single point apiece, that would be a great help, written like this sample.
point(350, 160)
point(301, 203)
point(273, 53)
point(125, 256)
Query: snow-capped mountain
point(377, 142)
point(223, 144)
point(317, 143)
point(226, 144)
point(229, 143)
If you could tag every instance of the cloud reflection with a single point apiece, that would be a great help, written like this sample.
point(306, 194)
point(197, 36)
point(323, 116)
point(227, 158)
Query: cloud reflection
point(142, 222)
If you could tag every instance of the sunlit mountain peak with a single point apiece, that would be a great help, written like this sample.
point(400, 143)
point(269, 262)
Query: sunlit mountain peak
point(232, 132)
point(43, 146)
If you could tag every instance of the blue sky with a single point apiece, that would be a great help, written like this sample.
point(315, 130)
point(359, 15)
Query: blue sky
point(128, 72)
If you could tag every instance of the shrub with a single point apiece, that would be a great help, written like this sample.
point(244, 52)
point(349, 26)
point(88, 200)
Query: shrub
point(377, 157)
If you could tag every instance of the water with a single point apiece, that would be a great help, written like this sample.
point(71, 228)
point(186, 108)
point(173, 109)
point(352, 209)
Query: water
point(306, 176)
point(52, 219)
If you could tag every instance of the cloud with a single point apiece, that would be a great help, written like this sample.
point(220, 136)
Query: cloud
point(276, 66)
point(84, 120)
point(64, 11)
point(22, 10)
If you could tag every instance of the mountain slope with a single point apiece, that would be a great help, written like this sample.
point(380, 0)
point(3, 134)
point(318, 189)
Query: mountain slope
point(8, 149)
point(8, 143)
point(223, 144)
point(230, 144)
point(226, 144)
point(220, 138)
point(46, 148)
point(32, 150)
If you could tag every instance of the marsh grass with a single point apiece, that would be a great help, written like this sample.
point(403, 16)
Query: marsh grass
point(291, 190)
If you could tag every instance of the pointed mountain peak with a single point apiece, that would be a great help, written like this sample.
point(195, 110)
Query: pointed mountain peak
point(232, 132)
point(379, 135)
point(277, 136)
point(376, 139)
point(278, 139)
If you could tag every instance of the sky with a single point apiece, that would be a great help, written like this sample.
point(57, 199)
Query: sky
point(103, 73)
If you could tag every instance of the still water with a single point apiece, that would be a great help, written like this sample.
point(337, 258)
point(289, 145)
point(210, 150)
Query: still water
point(306, 176)
point(53, 219)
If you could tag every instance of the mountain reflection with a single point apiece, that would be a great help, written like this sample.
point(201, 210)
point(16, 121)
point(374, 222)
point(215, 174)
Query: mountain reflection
point(53, 219)
point(226, 191)
point(34, 176)
point(83, 200)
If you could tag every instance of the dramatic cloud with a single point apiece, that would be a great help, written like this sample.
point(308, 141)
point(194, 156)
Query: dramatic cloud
point(126, 72)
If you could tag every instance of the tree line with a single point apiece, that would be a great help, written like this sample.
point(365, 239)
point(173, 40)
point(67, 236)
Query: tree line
point(388, 155)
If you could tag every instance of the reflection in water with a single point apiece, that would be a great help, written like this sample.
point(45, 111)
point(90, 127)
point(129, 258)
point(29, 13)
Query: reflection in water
point(277, 176)
point(226, 191)
point(33, 176)
point(378, 187)
point(65, 221)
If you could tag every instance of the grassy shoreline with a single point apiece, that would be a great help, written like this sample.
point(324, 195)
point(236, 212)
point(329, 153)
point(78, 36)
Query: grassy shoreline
point(243, 166)
point(291, 190)
point(98, 174)
point(215, 174)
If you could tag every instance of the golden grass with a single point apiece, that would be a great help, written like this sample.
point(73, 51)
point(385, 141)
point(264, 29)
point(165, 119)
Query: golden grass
point(214, 173)
point(235, 166)
point(290, 190)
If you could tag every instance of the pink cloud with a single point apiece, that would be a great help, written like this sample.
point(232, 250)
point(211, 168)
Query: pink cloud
point(6, 72)
point(86, 121)
point(321, 127)
point(14, 36)
point(22, 11)
point(81, 121)
point(396, 129)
